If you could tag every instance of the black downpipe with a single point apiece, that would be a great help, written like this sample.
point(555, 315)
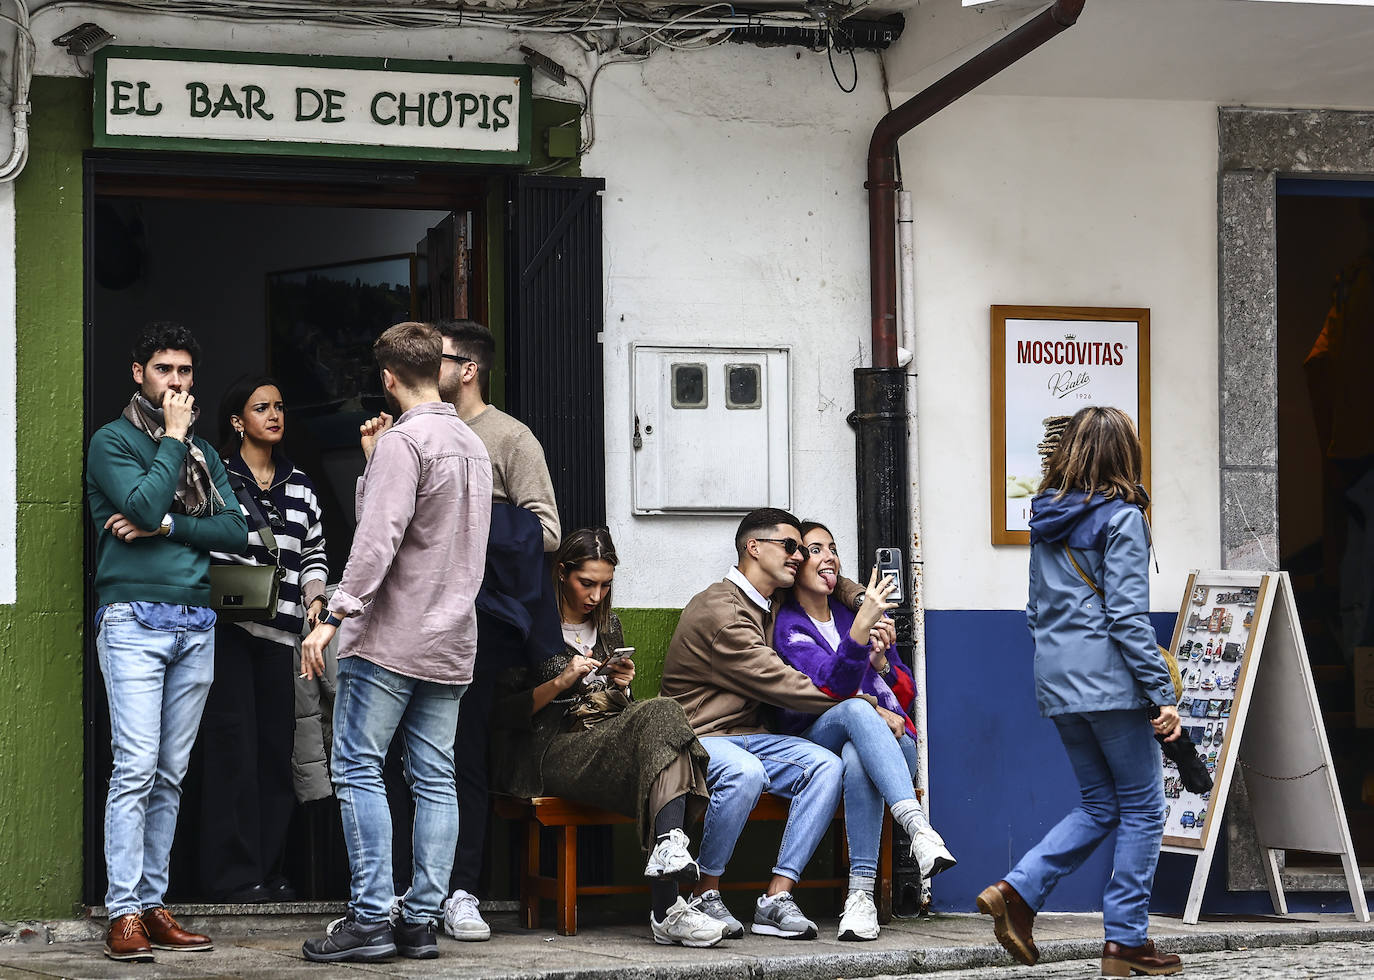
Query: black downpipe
point(881, 421)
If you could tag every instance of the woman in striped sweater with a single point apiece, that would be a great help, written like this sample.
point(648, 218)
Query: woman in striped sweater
point(249, 723)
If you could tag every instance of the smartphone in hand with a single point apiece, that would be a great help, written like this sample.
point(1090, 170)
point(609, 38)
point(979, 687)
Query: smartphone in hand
point(889, 561)
point(617, 655)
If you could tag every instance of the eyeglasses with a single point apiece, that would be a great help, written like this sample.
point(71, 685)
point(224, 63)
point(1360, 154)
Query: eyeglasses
point(458, 357)
point(789, 545)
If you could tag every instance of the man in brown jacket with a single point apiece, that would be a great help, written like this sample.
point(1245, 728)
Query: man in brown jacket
point(723, 672)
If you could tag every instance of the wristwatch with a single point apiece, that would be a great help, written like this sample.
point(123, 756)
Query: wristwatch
point(331, 620)
point(165, 528)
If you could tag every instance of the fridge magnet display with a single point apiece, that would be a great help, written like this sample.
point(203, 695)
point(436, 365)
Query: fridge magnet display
point(1241, 653)
point(1047, 363)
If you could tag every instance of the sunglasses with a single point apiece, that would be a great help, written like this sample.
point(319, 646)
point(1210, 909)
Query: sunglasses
point(789, 545)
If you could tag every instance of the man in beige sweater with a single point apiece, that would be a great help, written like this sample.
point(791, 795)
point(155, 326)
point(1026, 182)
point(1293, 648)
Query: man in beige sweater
point(722, 670)
point(520, 478)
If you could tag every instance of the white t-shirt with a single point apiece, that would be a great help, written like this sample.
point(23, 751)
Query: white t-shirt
point(829, 631)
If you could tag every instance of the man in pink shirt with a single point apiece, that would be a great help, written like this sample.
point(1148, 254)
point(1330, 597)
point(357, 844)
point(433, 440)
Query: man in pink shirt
point(406, 606)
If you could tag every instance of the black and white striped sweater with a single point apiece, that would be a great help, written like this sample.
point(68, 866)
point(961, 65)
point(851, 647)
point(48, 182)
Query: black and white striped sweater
point(292, 509)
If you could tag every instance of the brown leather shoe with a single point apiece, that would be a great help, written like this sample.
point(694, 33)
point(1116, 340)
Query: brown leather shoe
point(1122, 961)
point(165, 933)
point(1012, 919)
point(127, 940)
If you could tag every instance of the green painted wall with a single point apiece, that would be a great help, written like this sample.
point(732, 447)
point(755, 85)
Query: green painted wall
point(41, 668)
point(648, 631)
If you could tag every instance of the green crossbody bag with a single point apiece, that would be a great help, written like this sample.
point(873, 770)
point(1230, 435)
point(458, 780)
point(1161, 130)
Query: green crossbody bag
point(247, 592)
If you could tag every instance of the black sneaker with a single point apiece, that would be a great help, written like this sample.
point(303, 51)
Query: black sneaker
point(417, 940)
point(347, 939)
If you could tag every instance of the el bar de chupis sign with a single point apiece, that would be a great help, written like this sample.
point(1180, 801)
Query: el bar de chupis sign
point(218, 101)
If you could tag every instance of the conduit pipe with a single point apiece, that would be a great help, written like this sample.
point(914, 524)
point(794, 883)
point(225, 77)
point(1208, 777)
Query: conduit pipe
point(882, 155)
point(886, 457)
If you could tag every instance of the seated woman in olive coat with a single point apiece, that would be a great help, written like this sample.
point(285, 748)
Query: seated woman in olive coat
point(569, 727)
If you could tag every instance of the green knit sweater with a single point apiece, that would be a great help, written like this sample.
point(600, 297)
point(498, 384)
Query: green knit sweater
point(128, 473)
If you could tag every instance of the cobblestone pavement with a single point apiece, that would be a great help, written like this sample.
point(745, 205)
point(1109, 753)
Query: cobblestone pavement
point(1324, 961)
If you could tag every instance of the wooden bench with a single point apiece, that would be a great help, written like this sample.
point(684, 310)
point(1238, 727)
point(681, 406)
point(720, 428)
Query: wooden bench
point(563, 889)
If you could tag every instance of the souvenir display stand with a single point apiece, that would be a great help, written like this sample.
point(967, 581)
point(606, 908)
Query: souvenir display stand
point(1241, 654)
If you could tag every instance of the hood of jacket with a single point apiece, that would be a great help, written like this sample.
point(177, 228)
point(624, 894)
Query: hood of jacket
point(1078, 518)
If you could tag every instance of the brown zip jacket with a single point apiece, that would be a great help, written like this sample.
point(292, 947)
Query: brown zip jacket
point(722, 670)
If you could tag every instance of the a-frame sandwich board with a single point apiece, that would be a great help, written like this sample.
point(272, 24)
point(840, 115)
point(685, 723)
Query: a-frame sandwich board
point(1269, 725)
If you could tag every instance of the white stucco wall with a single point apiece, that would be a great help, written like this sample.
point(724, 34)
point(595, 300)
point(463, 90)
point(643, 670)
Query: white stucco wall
point(734, 215)
point(1063, 202)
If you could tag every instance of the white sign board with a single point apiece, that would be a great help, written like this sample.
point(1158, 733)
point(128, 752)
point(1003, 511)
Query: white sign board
point(1252, 659)
point(1047, 363)
point(317, 106)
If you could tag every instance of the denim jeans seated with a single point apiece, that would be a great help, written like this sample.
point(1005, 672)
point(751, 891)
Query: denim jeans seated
point(877, 770)
point(372, 704)
point(1121, 778)
point(156, 681)
point(741, 768)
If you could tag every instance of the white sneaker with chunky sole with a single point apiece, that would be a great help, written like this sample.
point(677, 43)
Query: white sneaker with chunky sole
point(671, 859)
point(928, 848)
point(462, 921)
point(686, 924)
point(859, 922)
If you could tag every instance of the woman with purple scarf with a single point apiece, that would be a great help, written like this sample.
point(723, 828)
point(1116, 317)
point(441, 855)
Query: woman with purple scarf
point(812, 632)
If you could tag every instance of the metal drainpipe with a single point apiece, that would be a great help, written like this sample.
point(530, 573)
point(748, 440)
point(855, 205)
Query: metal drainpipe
point(881, 417)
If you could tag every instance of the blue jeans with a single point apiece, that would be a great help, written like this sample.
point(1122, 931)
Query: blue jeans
point(1120, 775)
point(372, 704)
point(741, 768)
point(156, 681)
point(877, 769)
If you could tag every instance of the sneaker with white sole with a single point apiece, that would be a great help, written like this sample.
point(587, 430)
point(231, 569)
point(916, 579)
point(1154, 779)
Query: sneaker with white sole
point(929, 850)
point(685, 924)
point(860, 919)
point(713, 905)
point(462, 921)
point(782, 917)
point(671, 859)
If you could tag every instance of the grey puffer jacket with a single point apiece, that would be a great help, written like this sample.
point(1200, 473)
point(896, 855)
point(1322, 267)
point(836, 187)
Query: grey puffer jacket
point(1092, 654)
point(314, 728)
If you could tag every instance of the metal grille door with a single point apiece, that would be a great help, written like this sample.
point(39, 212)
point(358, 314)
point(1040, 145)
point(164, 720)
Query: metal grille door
point(554, 375)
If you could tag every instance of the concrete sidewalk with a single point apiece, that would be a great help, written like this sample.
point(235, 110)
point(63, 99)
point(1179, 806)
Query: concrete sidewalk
point(263, 946)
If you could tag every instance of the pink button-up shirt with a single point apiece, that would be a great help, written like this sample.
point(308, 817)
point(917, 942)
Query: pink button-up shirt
point(409, 589)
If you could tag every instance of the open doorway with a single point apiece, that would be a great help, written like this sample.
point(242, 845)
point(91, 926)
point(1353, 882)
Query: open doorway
point(1325, 233)
point(293, 267)
point(286, 271)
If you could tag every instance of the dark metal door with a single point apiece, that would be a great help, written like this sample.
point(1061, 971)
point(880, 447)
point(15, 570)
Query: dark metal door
point(553, 348)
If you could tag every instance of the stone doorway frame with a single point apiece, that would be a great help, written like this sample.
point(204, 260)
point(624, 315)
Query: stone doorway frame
point(1256, 147)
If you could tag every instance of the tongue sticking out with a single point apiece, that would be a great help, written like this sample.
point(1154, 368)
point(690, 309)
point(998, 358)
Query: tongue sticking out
point(827, 576)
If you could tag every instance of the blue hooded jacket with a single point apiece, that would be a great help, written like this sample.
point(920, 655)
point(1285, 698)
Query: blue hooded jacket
point(1092, 654)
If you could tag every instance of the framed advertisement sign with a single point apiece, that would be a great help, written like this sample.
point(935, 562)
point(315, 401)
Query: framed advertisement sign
point(1047, 363)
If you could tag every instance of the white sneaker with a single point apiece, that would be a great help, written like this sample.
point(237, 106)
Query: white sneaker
point(860, 918)
point(929, 850)
point(686, 925)
point(670, 859)
point(462, 921)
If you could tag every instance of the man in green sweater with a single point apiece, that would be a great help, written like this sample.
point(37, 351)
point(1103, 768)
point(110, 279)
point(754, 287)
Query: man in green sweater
point(161, 502)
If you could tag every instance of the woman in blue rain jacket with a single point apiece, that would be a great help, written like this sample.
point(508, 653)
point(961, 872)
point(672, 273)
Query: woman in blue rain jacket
point(1099, 676)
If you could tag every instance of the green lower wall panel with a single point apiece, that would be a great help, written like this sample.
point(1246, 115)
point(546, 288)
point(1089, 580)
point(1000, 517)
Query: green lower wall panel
point(41, 668)
point(648, 631)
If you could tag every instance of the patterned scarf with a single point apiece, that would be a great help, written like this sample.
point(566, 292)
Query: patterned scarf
point(196, 495)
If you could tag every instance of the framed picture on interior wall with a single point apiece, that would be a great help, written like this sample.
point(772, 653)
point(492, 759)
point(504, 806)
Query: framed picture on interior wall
point(322, 321)
point(1047, 363)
